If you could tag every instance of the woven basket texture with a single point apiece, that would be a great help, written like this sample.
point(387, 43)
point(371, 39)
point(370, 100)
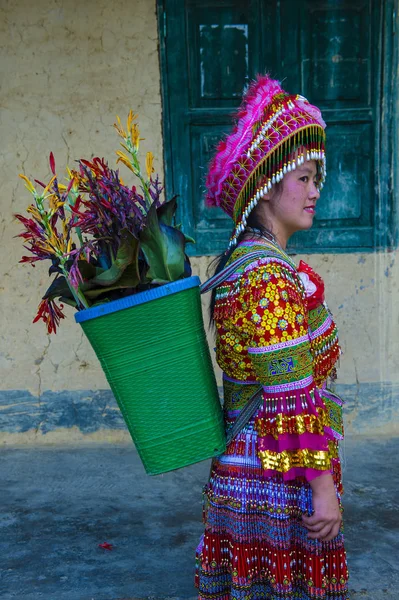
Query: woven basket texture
point(156, 359)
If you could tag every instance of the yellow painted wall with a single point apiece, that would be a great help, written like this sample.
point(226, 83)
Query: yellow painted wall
point(67, 69)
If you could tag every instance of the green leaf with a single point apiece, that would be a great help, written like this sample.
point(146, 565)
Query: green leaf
point(126, 255)
point(163, 248)
point(159, 281)
point(87, 270)
point(167, 211)
point(189, 240)
point(59, 287)
point(67, 301)
point(127, 280)
point(61, 290)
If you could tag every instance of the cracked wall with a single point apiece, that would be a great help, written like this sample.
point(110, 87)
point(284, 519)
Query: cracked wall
point(67, 69)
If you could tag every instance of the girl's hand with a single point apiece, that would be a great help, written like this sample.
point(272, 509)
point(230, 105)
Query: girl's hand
point(325, 523)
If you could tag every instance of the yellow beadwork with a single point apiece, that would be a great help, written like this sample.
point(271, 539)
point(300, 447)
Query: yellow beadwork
point(253, 311)
point(311, 459)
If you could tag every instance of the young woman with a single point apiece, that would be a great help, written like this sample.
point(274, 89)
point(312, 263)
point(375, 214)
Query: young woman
point(272, 513)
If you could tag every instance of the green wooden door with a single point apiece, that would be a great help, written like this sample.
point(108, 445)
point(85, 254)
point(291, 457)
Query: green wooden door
point(333, 52)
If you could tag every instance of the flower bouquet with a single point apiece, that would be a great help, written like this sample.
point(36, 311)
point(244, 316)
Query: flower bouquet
point(105, 240)
point(117, 257)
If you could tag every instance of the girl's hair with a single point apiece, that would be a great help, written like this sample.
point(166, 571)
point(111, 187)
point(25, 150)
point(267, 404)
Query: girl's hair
point(253, 220)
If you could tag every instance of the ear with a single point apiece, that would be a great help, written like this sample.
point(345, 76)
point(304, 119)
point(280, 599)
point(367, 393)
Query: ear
point(261, 182)
point(265, 198)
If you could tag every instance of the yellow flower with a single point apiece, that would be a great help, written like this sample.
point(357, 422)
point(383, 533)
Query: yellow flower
point(124, 159)
point(34, 212)
point(48, 186)
point(132, 130)
point(135, 135)
point(130, 118)
point(149, 161)
point(64, 229)
point(58, 243)
point(28, 184)
point(119, 128)
point(45, 246)
point(53, 202)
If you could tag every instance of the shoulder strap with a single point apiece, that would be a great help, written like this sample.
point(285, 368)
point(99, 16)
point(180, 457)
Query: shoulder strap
point(217, 279)
point(245, 415)
point(227, 271)
point(255, 400)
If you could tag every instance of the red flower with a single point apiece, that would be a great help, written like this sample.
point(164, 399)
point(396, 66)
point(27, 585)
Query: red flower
point(106, 546)
point(50, 313)
point(52, 163)
point(313, 283)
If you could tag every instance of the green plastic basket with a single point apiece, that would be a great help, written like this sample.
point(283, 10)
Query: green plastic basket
point(153, 350)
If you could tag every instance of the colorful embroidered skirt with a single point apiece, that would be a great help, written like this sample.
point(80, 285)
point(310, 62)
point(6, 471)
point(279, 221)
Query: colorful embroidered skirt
point(255, 546)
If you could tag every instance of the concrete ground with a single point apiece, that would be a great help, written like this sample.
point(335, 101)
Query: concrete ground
point(58, 505)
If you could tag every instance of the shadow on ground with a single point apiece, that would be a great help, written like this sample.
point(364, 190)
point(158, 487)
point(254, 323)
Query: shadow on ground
point(59, 504)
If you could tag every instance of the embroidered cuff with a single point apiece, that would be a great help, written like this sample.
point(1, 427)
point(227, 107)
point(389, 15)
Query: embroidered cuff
point(284, 363)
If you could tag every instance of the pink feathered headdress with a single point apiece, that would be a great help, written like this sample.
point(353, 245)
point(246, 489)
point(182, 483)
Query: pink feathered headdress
point(274, 132)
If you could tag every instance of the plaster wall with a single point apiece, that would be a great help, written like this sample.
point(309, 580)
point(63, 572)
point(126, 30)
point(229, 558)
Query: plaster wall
point(67, 69)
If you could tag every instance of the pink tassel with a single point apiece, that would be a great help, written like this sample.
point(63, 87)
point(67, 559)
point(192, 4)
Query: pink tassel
point(251, 110)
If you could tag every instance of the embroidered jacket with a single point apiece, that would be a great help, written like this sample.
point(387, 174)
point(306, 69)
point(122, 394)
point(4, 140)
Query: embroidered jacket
point(274, 329)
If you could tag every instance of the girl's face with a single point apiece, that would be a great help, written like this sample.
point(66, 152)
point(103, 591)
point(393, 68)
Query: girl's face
point(293, 206)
